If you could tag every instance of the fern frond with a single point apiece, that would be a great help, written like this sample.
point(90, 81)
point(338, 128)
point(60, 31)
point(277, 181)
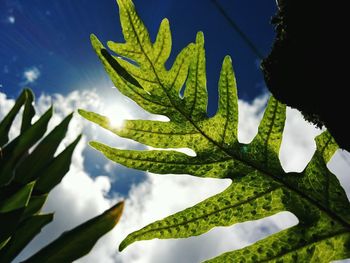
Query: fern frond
point(259, 188)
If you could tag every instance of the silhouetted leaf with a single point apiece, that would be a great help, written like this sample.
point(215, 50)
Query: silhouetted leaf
point(54, 173)
point(80, 240)
point(6, 123)
point(23, 235)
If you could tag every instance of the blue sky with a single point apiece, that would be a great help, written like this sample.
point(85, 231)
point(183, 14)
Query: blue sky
point(53, 37)
point(45, 46)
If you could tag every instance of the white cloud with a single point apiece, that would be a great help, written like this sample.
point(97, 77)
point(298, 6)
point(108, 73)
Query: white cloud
point(31, 74)
point(5, 103)
point(11, 19)
point(80, 196)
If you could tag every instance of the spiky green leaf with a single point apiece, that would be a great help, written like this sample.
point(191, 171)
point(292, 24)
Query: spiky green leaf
point(36, 202)
point(11, 210)
point(79, 241)
point(28, 112)
point(25, 98)
point(18, 199)
point(29, 168)
point(259, 188)
point(53, 174)
point(23, 235)
point(15, 150)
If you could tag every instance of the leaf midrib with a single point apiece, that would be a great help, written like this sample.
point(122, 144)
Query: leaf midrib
point(269, 135)
point(338, 233)
point(196, 88)
point(211, 213)
point(289, 187)
point(160, 132)
point(172, 163)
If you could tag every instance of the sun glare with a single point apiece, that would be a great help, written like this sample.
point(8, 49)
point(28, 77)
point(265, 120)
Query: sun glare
point(117, 114)
point(116, 123)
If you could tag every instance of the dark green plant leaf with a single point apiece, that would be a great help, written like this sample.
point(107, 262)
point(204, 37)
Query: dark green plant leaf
point(36, 202)
point(53, 174)
point(9, 222)
point(80, 240)
point(259, 188)
point(28, 112)
point(6, 123)
point(31, 167)
point(18, 199)
point(11, 210)
point(25, 182)
point(14, 151)
point(27, 230)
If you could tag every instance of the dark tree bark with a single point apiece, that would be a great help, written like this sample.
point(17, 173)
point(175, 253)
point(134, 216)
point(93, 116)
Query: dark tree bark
point(305, 68)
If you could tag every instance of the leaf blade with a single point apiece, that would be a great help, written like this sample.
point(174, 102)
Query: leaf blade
point(214, 139)
point(80, 240)
point(19, 146)
point(223, 209)
point(23, 235)
point(6, 123)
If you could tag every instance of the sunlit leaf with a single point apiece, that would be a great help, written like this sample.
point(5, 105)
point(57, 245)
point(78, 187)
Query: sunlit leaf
point(259, 187)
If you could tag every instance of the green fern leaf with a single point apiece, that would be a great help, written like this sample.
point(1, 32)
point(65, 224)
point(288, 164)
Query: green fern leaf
point(259, 188)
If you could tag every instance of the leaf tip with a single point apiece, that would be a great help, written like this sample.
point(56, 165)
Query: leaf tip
point(69, 117)
point(165, 22)
point(326, 145)
point(82, 113)
point(29, 93)
point(116, 211)
point(200, 38)
point(78, 138)
point(93, 37)
point(95, 145)
point(123, 244)
point(31, 184)
point(95, 42)
point(227, 60)
point(49, 112)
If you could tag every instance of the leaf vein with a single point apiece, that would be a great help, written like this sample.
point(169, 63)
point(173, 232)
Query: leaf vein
point(211, 213)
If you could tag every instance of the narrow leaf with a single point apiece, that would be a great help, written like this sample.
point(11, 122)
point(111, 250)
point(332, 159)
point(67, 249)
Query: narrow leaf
point(23, 235)
point(80, 240)
point(29, 169)
point(263, 198)
point(14, 151)
point(165, 162)
point(227, 117)
point(11, 210)
point(6, 123)
point(8, 223)
point(34, 205)
point(298, 244)
point(264, 149)
point(17, 200)
point(28, 112)
point(57, 169)
point(196, 96)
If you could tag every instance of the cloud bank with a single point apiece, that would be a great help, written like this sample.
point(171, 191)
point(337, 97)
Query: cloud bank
point(82, 195)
